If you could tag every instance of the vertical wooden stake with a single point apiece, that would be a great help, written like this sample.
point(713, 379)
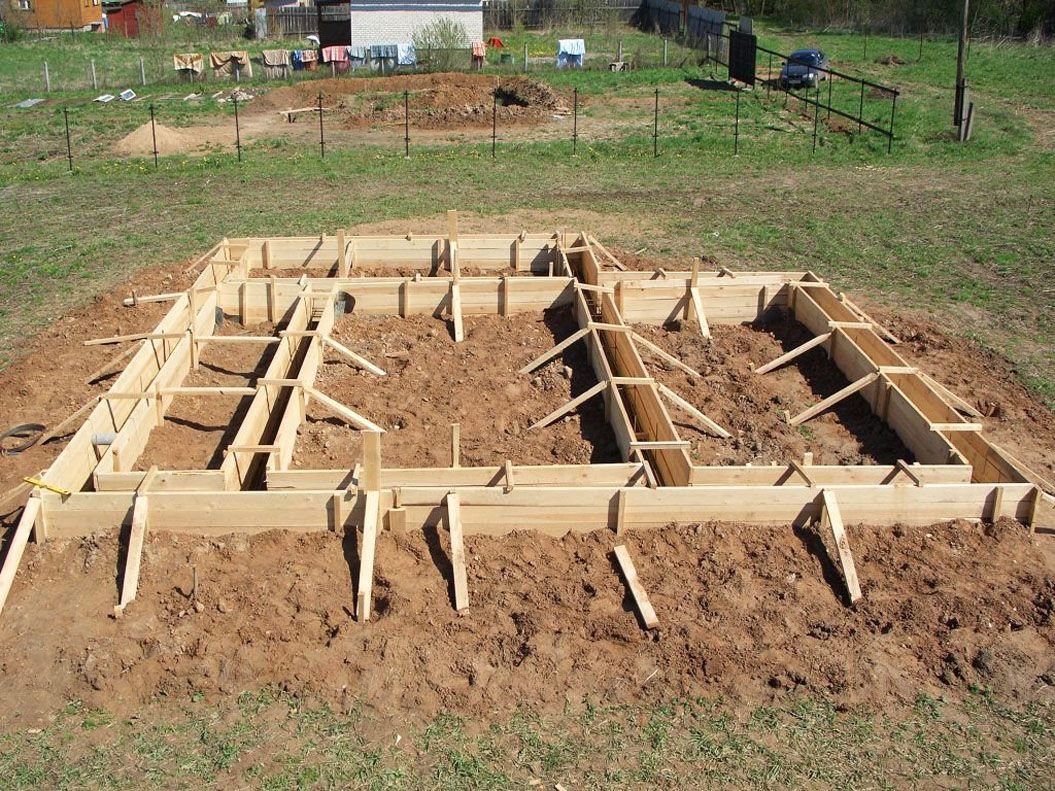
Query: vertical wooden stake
point(456, 445)
point(371, 460)
point(454, 524)
point(265, 254)
point(509, 482)
point(342, 254)
point(503, 306)
point(516, 254)
point(620, 513)
point(271, 295)
point(366, 558)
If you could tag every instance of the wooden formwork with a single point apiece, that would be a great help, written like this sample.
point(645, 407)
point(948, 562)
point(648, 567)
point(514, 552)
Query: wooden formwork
point(956, 474)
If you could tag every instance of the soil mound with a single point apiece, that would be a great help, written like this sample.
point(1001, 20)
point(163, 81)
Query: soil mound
point(169, 141)
point(435, 100)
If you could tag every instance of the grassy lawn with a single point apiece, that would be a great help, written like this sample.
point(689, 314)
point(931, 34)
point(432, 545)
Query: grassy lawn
point(271, 741)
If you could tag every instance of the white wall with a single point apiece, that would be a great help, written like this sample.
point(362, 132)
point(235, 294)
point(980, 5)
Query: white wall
point(396, 24)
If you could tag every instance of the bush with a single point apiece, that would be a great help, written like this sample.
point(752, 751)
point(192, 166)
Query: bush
point(442, 45)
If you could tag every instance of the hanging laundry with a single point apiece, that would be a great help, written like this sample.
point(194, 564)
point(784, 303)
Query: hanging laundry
point(310, 59)
point(276, 63)
point(191, 62)
point(479, 49)
point(335, 54)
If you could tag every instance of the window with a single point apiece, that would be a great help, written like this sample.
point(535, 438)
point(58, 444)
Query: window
point(23, 5)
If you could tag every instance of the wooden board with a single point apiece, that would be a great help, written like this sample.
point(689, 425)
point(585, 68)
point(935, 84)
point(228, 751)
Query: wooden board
point(637, 590)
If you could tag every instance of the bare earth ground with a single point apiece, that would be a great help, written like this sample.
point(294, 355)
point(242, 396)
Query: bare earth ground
point(359, 110)
point(747, 612)
point(432, 382)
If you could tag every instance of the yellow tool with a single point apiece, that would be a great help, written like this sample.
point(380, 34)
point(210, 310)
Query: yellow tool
point(50, 487)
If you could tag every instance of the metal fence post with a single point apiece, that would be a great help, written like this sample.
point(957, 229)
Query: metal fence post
point(830, 81)
point(816, 113)
point(47, 77)
point(525, 56)
point(406, 124)
point(69, 148)
point(322, 133)
point(664, 51)
point(142, 72)
point(655, 128)
point(736, 128)
point(494, 122)
point(890, 140)
point(769, 80)
point(861, 110)
point(575, 122)
point(237, 129)
point(95, 78)
point(154, 136)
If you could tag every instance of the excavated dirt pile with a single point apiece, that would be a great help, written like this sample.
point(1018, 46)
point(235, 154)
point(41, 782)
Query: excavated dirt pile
point(435, 100)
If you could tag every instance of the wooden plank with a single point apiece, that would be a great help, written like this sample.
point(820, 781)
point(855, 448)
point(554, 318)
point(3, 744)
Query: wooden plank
point(354, 418)
point(789, 356)
point(456, 444)
point(568, 407)
point(637, 590)
point(670, 358)
point(366, 556)
point(372, 460)
point(700, 314)
point(950, 397)
point(709, 424)
point(549, 354)
point(456, 312)
point(833, 399)
point(454, 524)
point(130, 584)
point(15, 550)
point(356, 358)
point(956, 426)
point(834, 520)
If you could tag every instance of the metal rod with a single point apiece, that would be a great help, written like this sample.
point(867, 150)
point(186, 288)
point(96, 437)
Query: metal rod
point(655, 128)
point(154, 136)
point(861, 110)
point(830, 81)
point(664, 52)
point(494, 121)
point(575, 122)
point(736, 128)
point(769, 80)
point(69, 148)
point(406, 124)
point(237, 129)
point(920, 45)
point(890, 140)
point(525, 56)
point(816, 114)
point(47, 77)
point(142, 72)
point(322, 133)
point(95, 78)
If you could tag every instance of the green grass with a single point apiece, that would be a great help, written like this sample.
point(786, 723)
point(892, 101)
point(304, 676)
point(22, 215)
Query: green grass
point(269, 740)
point(960, 232)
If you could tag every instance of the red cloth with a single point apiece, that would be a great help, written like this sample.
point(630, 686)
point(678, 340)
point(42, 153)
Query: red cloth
point(495, 42)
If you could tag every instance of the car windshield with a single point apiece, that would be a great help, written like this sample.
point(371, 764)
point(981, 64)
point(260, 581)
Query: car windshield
point(810, 57)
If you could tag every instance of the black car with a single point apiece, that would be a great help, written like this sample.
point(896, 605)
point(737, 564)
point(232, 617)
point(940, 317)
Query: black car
point(804, 69)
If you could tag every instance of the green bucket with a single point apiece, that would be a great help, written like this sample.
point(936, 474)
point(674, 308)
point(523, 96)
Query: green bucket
point(505, 57)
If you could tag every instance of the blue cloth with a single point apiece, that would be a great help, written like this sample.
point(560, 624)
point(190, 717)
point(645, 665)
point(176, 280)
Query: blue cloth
point(298, 62)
